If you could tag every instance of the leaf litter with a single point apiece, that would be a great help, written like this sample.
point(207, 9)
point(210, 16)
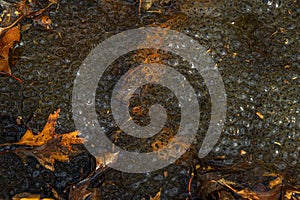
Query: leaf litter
point(48, 146)
point(11, 26)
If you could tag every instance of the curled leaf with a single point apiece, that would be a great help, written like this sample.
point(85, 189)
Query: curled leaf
point(7, 41)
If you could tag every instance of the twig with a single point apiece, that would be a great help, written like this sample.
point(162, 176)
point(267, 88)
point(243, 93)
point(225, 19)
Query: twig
point(189, 185)
point(12, 76)
point(4, 3)
point(140, 6)
point(3, 29)
point(34, 14)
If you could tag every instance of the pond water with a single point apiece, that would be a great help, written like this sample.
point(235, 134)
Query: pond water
point(255, 45)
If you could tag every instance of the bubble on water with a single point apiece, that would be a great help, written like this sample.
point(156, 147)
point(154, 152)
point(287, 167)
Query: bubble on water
point(90, 102)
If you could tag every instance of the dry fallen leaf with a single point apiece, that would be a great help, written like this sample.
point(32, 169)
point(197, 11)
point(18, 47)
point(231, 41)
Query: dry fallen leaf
point(48, 146)
point(48, 133)
point(30, 9)
point(12, 14)
point(275, 182)
point(44, 136)
point(105, 159)
point(24, 8)
point(261, 116)
point(25, 27)
point(83, 192)
point(157, 196)
point(48, 153)
point(84, 189)
point(44, 21)
point(291, 194)
point(7, 41)
point(246, 193)
point(28, 196)
point(53, 1)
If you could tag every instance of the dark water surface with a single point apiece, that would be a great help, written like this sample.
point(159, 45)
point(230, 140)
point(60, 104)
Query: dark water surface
point(255, 45)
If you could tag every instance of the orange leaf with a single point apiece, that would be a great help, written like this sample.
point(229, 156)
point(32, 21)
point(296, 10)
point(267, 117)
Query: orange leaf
point(24, 8)
point(8, 40)
point(48, 145)
point(83, 192)
point(28, 196)
point(157, 196)
point(71, 138)
point(48, 153)
point(44, 21)
point(47, 133)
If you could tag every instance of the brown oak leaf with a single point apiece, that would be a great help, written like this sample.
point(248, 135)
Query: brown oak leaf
point(83, 192)
point(7, 41)
point(10, 28)
point(28, 196)
point(157, 196)
point(48, 146)
point(84, 189)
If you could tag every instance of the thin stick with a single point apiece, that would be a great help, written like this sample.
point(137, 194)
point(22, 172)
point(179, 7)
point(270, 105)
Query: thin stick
point(140, 6)
point(34, 14)
point(10, 26)
point(12, 76)
point(189, 185)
